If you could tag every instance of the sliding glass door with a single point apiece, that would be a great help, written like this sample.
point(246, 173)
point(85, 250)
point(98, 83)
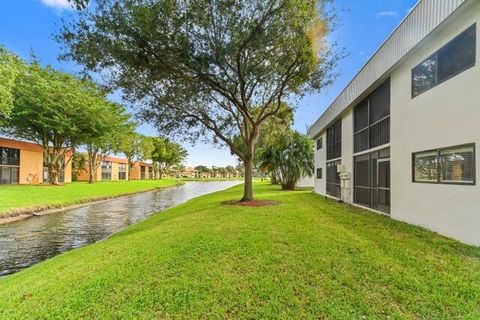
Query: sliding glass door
point(372, 180)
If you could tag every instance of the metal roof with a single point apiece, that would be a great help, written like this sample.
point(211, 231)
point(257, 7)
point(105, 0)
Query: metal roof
point(421, 21)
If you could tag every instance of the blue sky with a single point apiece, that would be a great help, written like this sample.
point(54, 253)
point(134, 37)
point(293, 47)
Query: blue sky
point(28, 25)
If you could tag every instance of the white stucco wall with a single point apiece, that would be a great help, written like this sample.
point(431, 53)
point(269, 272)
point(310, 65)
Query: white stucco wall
point(347, 153)
point(305, 182)
point(320, 157)
point(446, 115)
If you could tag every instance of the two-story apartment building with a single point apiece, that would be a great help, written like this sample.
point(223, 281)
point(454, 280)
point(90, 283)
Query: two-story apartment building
point(110, 169)
point(401, 138)
point(22, 162)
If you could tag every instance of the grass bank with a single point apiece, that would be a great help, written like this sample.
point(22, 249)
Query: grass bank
point(22, 199)
point(306, 258)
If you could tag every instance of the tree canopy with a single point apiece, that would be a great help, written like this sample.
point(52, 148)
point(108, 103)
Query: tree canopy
point(193, 67)
point(166, 154)
point(10, 68)
point(55, 110)
point(135, 147)
point(105, 134)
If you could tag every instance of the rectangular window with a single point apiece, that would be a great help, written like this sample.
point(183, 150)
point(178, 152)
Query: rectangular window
point(333, 179)
point(372, 119)
point(122, 171)
point(106, 170)
point(319, 144)
point(455, 165)
point(9, 156)
point(9, 175)
point(334, 140)
point(319, 173)
point(455, 57)
point(142, 172)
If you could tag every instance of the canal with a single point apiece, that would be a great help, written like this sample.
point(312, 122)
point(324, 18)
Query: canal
point(26, 242)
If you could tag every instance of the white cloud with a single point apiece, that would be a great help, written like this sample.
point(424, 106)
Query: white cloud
point(387, 14)
point(58, 4)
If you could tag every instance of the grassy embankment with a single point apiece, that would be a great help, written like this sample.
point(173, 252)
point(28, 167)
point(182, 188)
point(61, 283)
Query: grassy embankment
point(309, 257)
point(17, 199)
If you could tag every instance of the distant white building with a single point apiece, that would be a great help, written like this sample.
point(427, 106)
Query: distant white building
point(401, 138)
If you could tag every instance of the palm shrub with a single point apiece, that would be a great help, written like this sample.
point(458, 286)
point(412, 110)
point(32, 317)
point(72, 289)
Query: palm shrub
point(288, 158)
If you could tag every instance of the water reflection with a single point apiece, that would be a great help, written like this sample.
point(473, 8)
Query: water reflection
point(26, 242)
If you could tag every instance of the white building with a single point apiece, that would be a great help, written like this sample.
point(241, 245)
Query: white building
point(401, 137)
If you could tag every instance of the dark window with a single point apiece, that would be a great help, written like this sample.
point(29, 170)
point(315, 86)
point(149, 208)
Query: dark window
point(319, 173)
point(372, 119)
point(455, 57)
point(142, 172)
point(9, 175)
point(9, 156)
point(333, 179)
point(319, 143)
point(106, 170)
point(122, 171)
point(372, 180)
point(334, 140)
point(455, 165)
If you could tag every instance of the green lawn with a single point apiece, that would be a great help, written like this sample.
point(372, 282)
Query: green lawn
point(19, 197)
point(307, 258)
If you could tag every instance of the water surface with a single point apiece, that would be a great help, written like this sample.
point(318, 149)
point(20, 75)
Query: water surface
point(26, 242)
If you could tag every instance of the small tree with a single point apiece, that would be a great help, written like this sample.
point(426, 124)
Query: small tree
point(106, 133)
point(202, 169)
point(195, 66)
point(135, 147)
point(166, 154)
point(291, 156)
point(79, 162)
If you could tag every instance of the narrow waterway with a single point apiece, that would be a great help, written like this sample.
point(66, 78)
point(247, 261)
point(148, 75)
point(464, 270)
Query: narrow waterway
point(26, 242)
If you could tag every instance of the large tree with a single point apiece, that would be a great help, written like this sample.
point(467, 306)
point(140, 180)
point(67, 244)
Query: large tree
point(166, 154)
point(10, 68)
point(54, 110)
point(219, 66)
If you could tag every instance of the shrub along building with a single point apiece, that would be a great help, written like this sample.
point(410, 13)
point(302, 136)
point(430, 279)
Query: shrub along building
point(22, 163)
point(401, 138)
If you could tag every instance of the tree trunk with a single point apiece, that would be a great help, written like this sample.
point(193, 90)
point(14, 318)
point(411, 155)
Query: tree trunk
point(288, 185)
point(275, 177)
point(91, 172)
point(248, 185)
point(130, 167)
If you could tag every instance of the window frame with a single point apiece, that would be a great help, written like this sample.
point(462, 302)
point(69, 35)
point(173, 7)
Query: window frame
point(319, 176)
point(369, 129)
point(435, 54)
point(336, 129)
point(319, 143)
point(438, 152)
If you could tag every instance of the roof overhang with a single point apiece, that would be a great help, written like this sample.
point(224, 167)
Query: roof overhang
point(425, 17)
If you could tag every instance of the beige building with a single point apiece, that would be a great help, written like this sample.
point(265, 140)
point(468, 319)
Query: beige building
point(401, 138)
point(110, 169)
point(22, 163)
